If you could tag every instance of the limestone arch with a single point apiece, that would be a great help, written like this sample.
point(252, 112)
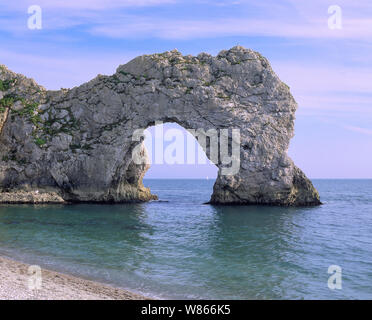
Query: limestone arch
point(77, 143)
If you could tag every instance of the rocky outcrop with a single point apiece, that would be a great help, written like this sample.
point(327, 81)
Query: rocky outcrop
point(77, 143)
point(31, 197)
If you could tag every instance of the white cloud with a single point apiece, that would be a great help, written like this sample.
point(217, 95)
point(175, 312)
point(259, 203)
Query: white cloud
point(186, 29)
point(328, 87)
point(358, 129)
point(325, 78)
point(83, 4)
point(63, 70)
point(288, 19)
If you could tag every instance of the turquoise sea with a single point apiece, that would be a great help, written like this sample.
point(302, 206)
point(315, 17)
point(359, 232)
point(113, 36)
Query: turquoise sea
point(180, 248)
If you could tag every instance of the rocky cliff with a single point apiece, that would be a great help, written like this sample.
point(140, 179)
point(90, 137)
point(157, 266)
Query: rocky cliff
point(76, 144)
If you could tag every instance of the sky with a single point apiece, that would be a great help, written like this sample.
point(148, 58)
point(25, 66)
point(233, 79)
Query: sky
point(328, 70)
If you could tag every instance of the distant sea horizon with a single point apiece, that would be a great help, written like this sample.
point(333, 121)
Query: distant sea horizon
point(211, 178)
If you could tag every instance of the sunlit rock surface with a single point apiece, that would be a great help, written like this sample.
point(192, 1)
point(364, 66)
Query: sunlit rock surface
point(76, 144)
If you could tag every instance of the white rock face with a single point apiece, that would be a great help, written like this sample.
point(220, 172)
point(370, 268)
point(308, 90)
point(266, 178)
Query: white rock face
point(78, 143)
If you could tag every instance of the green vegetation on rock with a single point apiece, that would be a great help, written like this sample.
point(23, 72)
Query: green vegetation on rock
point(7, 101)
point(5, 84)
point(39, 141)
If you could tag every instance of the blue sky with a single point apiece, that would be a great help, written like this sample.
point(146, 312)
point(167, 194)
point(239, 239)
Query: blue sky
point(329, 71)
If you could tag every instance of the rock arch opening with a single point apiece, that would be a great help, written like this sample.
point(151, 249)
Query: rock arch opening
point(174, 153)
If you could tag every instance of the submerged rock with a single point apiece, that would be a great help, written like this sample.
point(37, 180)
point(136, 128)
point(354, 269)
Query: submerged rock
point(77, 143)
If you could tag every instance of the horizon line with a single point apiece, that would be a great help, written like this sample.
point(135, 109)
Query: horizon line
point(216, 178)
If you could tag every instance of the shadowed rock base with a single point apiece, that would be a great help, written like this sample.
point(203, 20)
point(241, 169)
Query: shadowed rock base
point(300, 193)
point(75, 145)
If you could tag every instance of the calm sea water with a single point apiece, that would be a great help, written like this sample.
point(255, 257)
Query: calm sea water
point(181, 248)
